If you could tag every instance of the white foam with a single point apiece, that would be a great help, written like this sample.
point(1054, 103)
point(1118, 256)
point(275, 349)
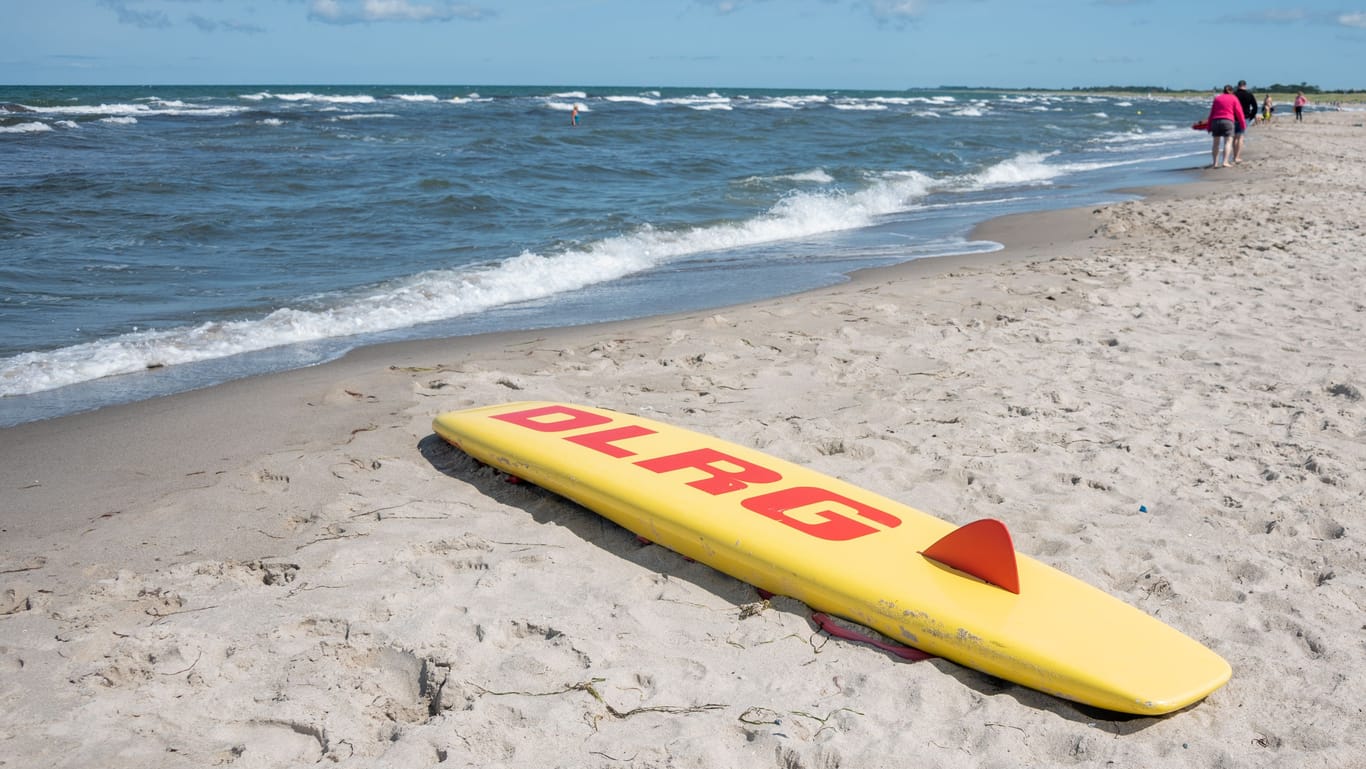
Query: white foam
point(271, 121)
point(416, 97)
point(859, 106)
point(817, 175)
point(326, 98)
point(25, 128)
point(444, 294)
point(141, 110)
point(712, 101)
point(119, 120)
point(777, 104)
point(1022, 169)
point(569, 95)
point(97, 109)
point(789, 102)
point(649, 101)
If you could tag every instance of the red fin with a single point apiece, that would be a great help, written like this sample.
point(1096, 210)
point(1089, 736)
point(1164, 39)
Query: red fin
point(982, 549)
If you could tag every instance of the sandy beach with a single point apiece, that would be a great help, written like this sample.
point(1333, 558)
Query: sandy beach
point(1163, 398)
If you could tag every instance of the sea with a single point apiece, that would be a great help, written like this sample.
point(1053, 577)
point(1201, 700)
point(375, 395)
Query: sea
point(164, 238)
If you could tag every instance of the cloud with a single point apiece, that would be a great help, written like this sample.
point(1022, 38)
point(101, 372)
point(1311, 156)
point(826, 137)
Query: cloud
point(882, 10)
point(354, 11)
point(137, 13)
point(137, 18)
point(892, 10)
point(1353, 19)
point(1271, 16)
point(725, 7)
point(214, 25)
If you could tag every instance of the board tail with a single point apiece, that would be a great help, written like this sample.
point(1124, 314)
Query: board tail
point(981, 548)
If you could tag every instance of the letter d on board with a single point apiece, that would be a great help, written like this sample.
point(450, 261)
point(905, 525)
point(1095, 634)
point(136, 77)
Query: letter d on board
point(553, 419)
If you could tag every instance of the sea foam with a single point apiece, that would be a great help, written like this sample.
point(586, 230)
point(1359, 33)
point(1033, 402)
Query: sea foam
point(443, 294)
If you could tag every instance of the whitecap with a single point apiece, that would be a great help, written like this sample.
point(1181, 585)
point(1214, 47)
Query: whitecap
point(25, 128)
point(443, 294)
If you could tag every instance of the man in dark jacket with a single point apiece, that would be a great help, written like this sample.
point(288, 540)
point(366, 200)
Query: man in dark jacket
point(1249, 103)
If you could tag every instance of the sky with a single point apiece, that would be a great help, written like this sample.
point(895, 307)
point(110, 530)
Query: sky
point(818, 44)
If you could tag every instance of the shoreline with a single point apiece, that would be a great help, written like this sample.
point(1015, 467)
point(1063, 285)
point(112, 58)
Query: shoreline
point(173, 420)
point(1160, 397)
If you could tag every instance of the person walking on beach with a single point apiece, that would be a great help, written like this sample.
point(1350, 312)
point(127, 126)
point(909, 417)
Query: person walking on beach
point(1225, 116)
point(1249, 105)
point(1268, 109)
point(1300, 101)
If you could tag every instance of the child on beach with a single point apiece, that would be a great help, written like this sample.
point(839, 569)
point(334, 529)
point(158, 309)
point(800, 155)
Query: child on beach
point(1300, 101)
point(1268, 109)
point(1225, 116)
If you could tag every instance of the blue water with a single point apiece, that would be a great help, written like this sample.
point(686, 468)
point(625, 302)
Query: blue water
point(163, 238)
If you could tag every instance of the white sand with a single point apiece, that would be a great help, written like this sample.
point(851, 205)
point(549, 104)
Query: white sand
point(293, 570)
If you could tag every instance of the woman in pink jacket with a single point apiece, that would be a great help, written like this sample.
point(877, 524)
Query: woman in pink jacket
point(1224, 114)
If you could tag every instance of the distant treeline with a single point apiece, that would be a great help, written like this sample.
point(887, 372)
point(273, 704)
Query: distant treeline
point(1274, 87)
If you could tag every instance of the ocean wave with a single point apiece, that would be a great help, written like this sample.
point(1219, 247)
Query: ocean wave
point(712, 101)
point(156, 107)
point(789, 102)
point(325, 98)
point(817, 175)
point(601, 241)
point(25, 128)
point(1022, 169)
point(649, 101)
point(444, 294)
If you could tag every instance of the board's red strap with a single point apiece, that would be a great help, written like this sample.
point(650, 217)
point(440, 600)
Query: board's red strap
point(824, 622)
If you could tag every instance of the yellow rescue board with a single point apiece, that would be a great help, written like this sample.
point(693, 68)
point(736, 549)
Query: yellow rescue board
point(846, 551)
